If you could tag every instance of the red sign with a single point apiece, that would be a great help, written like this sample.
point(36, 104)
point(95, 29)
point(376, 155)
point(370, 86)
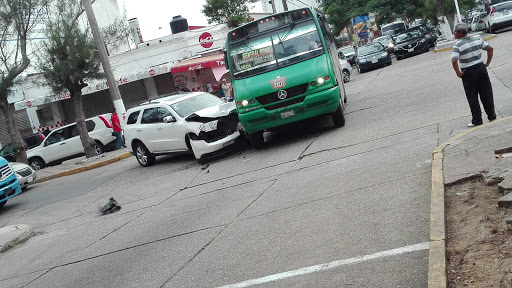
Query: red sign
point(206, 40)
point(29, 104)
point(152, 72)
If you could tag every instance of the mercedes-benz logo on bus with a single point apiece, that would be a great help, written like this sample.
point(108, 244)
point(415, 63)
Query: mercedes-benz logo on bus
point(282, 94)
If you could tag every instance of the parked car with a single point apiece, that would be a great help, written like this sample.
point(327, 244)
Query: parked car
point(427, 32)
point(31, 141)
point(499, 16)
point(411, 42)
point(64, 143)
point(347, 53)
point(9, 184)
point(196, 123)
point(346, 69)
point(478, 23)
point(372, 55)
point(388, 41)
point(25, 174)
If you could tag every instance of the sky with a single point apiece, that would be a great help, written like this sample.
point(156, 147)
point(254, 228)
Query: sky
point(155, 15)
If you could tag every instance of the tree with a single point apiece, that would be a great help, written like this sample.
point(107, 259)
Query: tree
point(17, 20)
point(117, 33)
point(232, 12)
point(69, 59)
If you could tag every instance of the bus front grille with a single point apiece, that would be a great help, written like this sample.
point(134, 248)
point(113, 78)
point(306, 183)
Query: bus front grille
point(285, 103)
point(291, 92)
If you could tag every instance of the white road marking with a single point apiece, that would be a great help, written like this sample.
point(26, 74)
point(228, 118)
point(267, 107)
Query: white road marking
point(331, 265)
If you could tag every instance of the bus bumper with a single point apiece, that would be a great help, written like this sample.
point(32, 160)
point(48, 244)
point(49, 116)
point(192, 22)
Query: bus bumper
point(323, 102)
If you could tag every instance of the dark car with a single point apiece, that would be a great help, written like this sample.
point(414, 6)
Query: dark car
point(427, 32)
point(347, 53)
point(388, 41)
point(372, 55)
point(32, 141)
point(409, 43)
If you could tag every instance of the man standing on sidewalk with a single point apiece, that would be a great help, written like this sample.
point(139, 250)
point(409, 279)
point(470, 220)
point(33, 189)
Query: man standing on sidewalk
point(117, 130)
point(467, 63)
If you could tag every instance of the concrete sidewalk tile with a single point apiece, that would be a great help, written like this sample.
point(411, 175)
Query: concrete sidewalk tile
point(505, 201)
point(13, 234)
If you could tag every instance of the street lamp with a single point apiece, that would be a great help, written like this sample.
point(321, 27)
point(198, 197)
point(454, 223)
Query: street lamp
point(458, 11)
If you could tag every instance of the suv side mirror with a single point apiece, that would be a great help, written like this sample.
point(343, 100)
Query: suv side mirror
point(169, 119)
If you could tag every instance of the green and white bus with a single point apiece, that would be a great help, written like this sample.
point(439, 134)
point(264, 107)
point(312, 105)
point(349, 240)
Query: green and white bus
point(284, 68)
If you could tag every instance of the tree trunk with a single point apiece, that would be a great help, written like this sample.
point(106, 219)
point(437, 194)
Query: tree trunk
point(87, 142)
point(18, 143)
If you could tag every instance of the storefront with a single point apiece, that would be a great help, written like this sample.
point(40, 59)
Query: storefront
point(203, 73)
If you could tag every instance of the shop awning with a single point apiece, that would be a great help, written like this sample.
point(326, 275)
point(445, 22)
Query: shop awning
point(210, 61)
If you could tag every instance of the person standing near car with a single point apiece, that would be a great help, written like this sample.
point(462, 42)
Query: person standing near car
point(117, 130)
point(226, 88)
point(468, 65)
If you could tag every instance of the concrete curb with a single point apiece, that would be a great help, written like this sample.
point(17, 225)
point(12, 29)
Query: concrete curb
point(84, 168)
point(437, 251)
point(13, 234)
point(492, 36)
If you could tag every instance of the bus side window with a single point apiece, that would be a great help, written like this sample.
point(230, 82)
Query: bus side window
point(326, 31)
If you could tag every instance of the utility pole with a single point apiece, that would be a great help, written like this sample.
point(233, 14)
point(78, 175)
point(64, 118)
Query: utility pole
point(105, 62)
point(285, 5)
point(273, 6)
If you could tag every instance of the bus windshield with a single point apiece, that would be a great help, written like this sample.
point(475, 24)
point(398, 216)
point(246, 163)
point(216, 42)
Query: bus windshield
point(276, 49)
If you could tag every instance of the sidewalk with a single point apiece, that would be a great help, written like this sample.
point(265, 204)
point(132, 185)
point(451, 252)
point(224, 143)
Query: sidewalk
point(463, 157)
point(81, 164)
point(446, 45)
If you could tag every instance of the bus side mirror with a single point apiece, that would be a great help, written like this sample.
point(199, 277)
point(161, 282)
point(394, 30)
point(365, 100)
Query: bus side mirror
point(226, 60)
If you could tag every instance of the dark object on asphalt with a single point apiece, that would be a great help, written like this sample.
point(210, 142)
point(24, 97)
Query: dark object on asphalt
point(111, 206)
point(205, 166)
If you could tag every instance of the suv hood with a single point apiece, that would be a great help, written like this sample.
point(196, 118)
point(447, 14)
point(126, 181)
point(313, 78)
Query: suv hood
point(216, 111)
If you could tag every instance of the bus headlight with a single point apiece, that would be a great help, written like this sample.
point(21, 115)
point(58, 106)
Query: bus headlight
point(320, 80)
point(245, 102)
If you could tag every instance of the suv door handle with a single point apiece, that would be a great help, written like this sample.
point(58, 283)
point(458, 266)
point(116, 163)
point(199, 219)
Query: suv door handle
point(62, 143)
point(159, 128)
point(139, 130)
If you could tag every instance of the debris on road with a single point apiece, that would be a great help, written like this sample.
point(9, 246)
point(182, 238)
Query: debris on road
point(111, 206)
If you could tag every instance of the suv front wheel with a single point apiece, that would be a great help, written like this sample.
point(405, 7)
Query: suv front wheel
point(143, 155)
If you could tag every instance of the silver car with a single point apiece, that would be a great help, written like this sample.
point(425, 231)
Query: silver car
point(25, 174)
point(346, 69)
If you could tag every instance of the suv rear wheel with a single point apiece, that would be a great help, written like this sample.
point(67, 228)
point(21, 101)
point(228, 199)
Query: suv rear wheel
point(98, 148)
point(143, 155)
point(36, 163)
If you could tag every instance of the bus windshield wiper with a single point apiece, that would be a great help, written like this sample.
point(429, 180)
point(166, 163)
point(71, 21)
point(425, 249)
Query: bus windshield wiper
point(287, 33)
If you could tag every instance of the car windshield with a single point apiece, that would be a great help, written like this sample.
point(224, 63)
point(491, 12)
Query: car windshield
point(384, 39)
point(190, 105)
point(408, 36)
point(347, 50)
point(369, 49)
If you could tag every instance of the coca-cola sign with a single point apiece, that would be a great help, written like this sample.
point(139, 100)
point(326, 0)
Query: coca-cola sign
point(206, 40)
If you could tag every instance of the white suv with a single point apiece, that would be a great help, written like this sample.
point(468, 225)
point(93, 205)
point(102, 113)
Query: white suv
point(64, 143)
point(197, 122)
point(500, 16)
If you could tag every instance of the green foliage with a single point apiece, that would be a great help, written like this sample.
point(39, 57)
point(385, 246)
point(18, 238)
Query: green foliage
point(339, 12)
point(69, 57)
point(233, 12)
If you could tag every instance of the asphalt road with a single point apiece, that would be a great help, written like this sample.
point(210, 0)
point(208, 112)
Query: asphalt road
point(317, 207)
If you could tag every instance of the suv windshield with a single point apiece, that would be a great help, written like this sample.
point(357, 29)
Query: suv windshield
point(369, 49)
point(347, 50)
point(190, 105)
point(293, 43)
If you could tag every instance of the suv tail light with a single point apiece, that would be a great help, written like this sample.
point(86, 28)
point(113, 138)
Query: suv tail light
point(107, 123)
point(492, 10)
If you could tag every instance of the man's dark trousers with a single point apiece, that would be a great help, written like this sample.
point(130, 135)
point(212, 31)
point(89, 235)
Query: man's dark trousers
point(476, 81)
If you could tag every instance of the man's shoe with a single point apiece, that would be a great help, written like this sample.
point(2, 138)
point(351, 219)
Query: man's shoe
point(473, 125)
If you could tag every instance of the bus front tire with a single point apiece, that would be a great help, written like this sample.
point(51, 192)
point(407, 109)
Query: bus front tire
point(338, 119)
point(256, 139)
